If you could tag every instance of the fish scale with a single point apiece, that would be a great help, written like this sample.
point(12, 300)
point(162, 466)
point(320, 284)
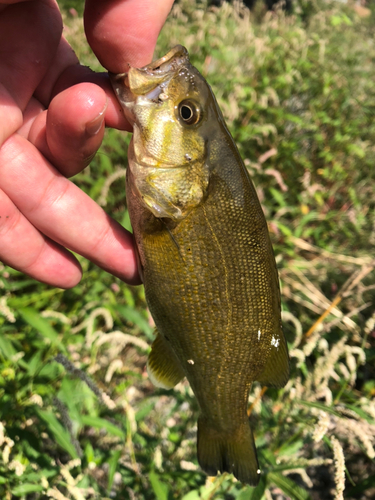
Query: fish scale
point(207, 263)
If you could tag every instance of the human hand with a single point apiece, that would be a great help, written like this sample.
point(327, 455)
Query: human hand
point(51, 126)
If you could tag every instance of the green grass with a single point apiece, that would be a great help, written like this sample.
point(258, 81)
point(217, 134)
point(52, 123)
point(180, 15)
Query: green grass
point(78, 414)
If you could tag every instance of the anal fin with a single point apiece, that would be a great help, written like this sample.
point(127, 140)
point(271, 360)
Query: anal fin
point(163, 366)
point(276, 370)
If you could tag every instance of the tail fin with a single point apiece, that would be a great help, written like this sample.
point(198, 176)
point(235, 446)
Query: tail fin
point(234, 453)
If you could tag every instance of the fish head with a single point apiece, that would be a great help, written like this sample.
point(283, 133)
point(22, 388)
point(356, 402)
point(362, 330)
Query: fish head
point(167, 102)
point(172, 111)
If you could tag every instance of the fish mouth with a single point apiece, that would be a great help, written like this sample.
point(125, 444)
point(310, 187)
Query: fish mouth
point(172, 61)
point(139, 86)
point(149, 81)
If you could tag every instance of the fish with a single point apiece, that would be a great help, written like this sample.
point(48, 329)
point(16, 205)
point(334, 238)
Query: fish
point(205, 257)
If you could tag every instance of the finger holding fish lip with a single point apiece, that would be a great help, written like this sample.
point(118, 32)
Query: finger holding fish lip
point(134, 26)
point(124, 32)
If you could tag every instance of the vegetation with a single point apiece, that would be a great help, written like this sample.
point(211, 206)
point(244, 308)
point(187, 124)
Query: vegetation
point(79, 418)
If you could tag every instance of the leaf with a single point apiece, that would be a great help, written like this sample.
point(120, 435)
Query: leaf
point(320, 406)
point(89, 453)
point(134, 316)
point(35, 363)
point(145, 408)
point(358, 490)
point(288, 486)
point(341, 18)
point(18, 285)
point(17, 302)
point(290, 449)
point(33, 318)
point(8, 351)
point(284, 229)
point(302, 223)
point(254, 493)
point(160, 489)
point(278, 197)
point(192, 495)
point(35, 476)
point(112, 462)
point(126, 222)
point(24, 489)
point(101, 423)
point(266, 455)
point(361, 413)
point(61, 435)
point(6, 348)
point(356, 150)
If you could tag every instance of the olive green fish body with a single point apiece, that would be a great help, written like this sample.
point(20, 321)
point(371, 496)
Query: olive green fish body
point(210, 279)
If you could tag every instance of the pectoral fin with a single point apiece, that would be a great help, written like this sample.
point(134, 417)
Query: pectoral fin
point(276, 370)
point(163, 366)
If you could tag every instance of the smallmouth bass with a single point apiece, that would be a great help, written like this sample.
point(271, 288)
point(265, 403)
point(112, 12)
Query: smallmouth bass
point(205, 257)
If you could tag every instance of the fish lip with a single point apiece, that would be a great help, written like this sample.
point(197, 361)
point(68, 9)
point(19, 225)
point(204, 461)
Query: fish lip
point(147, 82)
point(175, 58)
point(124, 95)
point(142, 81)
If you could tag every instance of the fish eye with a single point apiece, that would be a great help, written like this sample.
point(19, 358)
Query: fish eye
point(189, 112)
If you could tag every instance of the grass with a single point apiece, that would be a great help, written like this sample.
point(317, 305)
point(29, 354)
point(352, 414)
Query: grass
point(79, 417)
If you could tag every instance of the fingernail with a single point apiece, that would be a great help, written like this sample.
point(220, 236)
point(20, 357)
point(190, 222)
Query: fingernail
point(93, 127)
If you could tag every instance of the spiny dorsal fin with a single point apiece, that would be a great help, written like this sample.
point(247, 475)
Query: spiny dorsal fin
point(163, 366)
